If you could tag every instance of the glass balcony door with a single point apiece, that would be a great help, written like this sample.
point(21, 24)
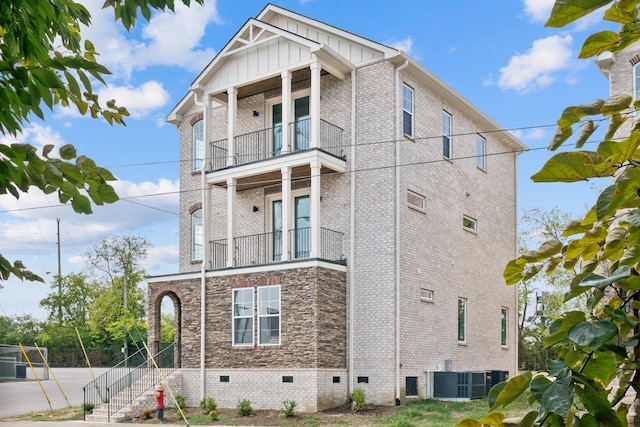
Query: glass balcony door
point(302, 229)
point(276, 129)
point(301, 124)
point(276, 229)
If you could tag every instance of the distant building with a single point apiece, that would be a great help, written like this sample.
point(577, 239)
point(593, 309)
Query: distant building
point(346, 218)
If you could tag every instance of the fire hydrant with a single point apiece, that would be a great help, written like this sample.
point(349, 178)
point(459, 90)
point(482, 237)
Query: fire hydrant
point(159, 394)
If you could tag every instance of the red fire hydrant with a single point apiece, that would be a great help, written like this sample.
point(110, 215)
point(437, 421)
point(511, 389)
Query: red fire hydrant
point(159, 394)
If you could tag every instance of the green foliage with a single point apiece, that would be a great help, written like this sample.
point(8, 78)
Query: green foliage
point(88, 407)
point(209, 407)
point(45, 63)
point(357, 398)
point(244, 408)
point(598, 344)
point(288, 408)
point(181, 401)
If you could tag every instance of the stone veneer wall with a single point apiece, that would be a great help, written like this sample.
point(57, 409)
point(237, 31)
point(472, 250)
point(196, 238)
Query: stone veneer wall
point(313, 345)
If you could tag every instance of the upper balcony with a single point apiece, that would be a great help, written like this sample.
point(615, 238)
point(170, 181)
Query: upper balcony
point(267, 143)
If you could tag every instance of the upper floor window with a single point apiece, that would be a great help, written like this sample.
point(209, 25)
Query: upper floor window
point(243, 316)
point(480, 152)
point(407, 110)
point(446, 135)
point(636, 81)
point(469, 224)
point(198, 145)
point(269, 314)
point(503, 326)
point(462, 320)
point(197, 235)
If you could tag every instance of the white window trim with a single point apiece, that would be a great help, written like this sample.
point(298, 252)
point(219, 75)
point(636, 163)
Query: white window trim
point(411, 113)
point(233, 317)
point(193, 236)
point(464, 320)
point(445, 113)
point(504, 317)
point(473, 229)
point(481, 158)
point(636, 70)
point(279, 316)
point(197, 157)
point(426, 295)
point(422, 198)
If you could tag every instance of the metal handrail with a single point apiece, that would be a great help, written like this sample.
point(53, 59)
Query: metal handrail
point(266, 248)
point(122, 384)
point(266, 143)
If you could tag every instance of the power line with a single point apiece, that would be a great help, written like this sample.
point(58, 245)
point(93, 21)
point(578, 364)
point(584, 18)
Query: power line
point(359, 145)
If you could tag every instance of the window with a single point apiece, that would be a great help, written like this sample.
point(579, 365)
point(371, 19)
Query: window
point(416, 201)
point(198, 145)
point(469, 223)
point(462, 320)
point(480, 152)
point(636, 81)
point(269, 314)
point(411, 386)
point(503, 326)
point(197, 235)
point(407, 110)
point(243, 316)
point(446, 135)
point(426, 295)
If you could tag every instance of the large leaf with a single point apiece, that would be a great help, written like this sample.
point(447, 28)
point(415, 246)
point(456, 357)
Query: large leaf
point(600, 282)
point(598, 43)
point(514, 387)
point(568, 167)
point(552, 395)
point(567, 11)
point(586, 130)
point(593, 334)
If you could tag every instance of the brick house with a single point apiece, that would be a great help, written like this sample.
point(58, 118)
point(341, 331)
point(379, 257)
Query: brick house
point(345, 221)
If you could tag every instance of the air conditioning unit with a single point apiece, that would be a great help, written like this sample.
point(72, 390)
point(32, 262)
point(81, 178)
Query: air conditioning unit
point(457, 385)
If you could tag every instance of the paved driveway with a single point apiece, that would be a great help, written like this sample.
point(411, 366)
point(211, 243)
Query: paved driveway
point(25, 396)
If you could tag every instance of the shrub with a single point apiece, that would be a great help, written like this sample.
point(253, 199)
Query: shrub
point(209, 407)
point(288, 407)
point(88, 407)
point(244, 408)
point(181, 401)
point(357, 400)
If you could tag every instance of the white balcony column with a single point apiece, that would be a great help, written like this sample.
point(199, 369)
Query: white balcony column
point(232, 109)
point(231, 222)
point(286, 203)
point(286, 111)
point(314, 105)
point(315, 209)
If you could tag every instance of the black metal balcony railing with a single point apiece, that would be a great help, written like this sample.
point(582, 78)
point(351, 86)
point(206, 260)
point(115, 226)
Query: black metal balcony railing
point(267, 143)
point(266, 248)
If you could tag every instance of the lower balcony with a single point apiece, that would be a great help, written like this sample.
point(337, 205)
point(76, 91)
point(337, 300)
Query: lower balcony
point(266, 248)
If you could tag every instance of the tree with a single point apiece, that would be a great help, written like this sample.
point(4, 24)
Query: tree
point(45, 62)
point(603, 249)
point(76, 295)
point(121, 308)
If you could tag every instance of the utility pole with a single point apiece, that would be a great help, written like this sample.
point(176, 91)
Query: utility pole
point(59, 277)
point(125, 349)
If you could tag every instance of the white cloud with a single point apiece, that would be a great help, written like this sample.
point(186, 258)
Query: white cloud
point(160, 43)
point(538, 10)
point(37, 135)
point(404, 45)
point(537, 67)
point(535, 134)
point(138, 100)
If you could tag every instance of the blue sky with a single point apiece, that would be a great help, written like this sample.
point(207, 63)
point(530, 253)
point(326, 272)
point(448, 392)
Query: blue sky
point(495, 53)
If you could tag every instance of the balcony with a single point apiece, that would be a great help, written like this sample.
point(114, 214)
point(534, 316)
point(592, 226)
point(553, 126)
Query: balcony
point(266, 248)
point(267, 143)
